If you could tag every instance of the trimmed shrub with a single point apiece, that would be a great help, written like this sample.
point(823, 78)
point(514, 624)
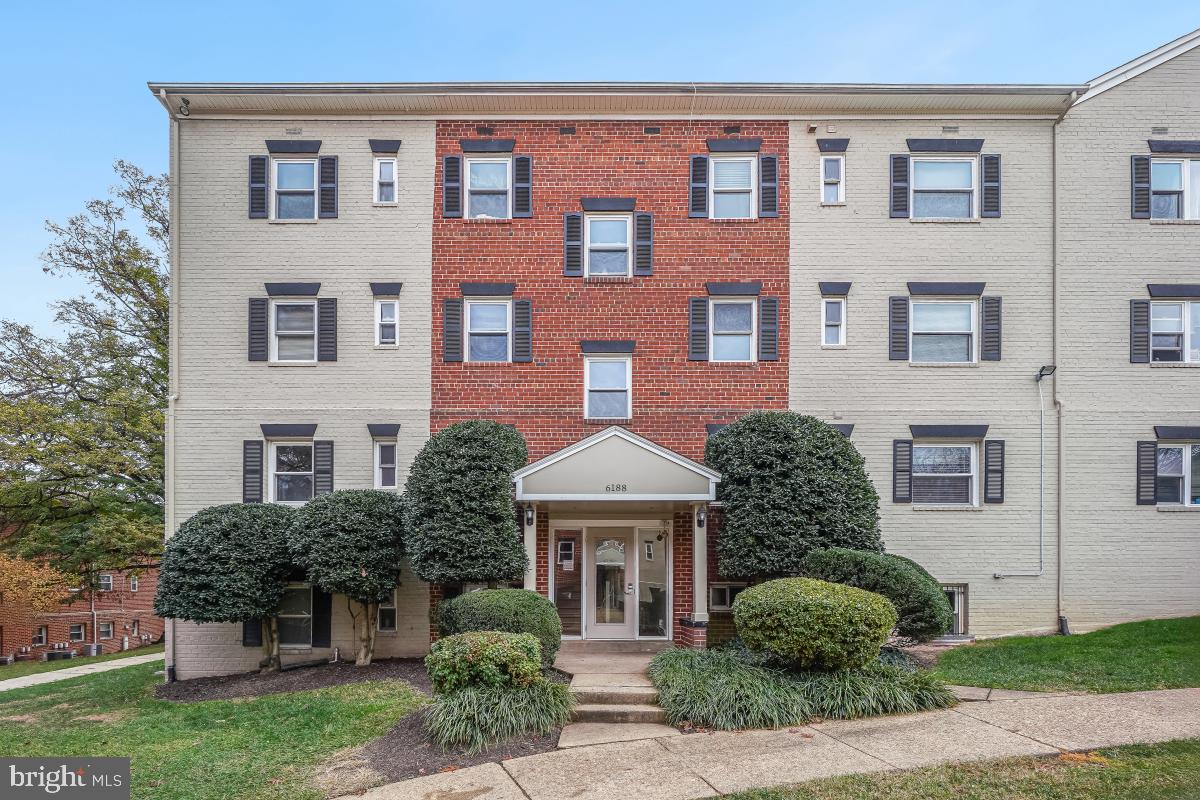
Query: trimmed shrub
point(791, 484)
point(479, 716)
point(483, 658)
point(924, 612)
point(508, 610)
point(812, 624)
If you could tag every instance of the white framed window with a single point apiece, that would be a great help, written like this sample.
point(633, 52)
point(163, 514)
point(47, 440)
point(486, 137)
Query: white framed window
point(732, 187)
point(606, 388)
point(40, 636)
point(566, 551)
point(105, 582)
point(387, 613)
point(387, 316)
point(295, 616)
point(945, 474)
point(648, 551)
point(385, 180)
point(956, 594)
point(134, 583)
point(722, 595)
point(106, 630)
point(1175, 188)
point(77, 632)
point(1175, 332)
point(291, 472)
point(385, 464)
point(294, 188)
point(294, 331)
point(833, 180)
point(943, 331)
point(833, 321)
point(1178, 474)
point(488, 330)
point(731, 334)
point(606, 245)
point(944, 188)
point(489, 188)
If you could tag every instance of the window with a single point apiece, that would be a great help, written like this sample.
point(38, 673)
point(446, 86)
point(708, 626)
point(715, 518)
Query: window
point(566, 551)
point(105, 583)
point(648, 548)
point(385, 180)
point(731, 187)
point(943, 332)
point(386, 314)
point(488, 324)
point(833, 322)
point(387, 613)
point(833, 181)
point(943, 188)
point(1175, 188)
point(385, 465)
point(606, 389)
point(40, 635)
point(488, 182)
point(732, 330)
point(295, 616)
point(133, 583)
point(1179, 474)
point(607, 245)
point(135, 628)
point(291, 472)
point(1175, 332)
point(106, 630)
point(295, 189)
point(77, 632)
point(294, 331)
point(721, 596)
point(944, 474)
point(957, 595)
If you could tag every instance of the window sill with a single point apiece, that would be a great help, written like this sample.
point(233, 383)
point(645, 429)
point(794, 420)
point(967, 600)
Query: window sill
point(294, 650)
point(601, 280)
point(607, 420)
point(386, 347)
point(385, 205)
point(291, 222)
point(1175, 222)
point(946, 508)
point(286, 364)
point(945, 365)
point(832, 205)
point(944, 220)
point(486, 221)
point(738, 221)
point(1174, 365)
point(491, 364)
point(1178, 508)
point(833, 347)
point(734, 364)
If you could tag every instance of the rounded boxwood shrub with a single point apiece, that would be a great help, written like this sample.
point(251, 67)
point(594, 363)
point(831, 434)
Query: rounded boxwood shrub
point(508, 610)
point(924, 612)
point(812, 624)
point(484, 658)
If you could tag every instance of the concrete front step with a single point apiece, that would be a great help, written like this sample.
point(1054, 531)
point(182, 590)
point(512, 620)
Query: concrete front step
point(625, 712)
point(614, 695)
point(602, 646)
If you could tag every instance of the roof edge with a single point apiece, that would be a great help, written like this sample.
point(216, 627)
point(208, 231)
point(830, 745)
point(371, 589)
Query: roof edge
point(1143, 63)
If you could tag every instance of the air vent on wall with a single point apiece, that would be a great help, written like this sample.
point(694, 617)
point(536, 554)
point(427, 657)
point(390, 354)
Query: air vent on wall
point(485, 130)
point(1159, 130)
point(733, 128)
point(567, 130)
point(949, 130)
point(651, 130)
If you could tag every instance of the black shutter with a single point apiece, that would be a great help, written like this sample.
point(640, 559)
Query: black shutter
point(1139, 200)
point(452, 329)
point(1139, 331)
point(643, 243)
point(328, 201)
point(698, 329)
point(322, 617)
point(990, 344)
point(252, 471)
point(522, 186)
point(768, 186)
point(993, 471)
point(990, 201)
point(698, 187)
point(452, 199)
point(322, 467)
point(522, 331)
point(327, 329)
point(573, 245)
point(258, 345)
point(259, 184)
point(1147, 473)
point(252, 633)
point(898, 328)
point(899, 205)
point(768, 329)
point(902, 451)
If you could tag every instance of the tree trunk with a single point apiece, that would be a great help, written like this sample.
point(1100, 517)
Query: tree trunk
point(270, 643)
point(366, 636)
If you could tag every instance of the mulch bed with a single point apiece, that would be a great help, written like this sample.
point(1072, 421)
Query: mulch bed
point(254, 684)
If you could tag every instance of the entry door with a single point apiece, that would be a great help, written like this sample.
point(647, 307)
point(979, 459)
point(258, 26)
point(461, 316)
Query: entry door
point(611, 584)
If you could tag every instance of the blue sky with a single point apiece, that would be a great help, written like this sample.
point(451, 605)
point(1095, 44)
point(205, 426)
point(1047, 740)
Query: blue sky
point(74, 97)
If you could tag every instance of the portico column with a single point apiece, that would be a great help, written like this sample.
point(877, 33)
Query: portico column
point(530, 532)
point(699, 563)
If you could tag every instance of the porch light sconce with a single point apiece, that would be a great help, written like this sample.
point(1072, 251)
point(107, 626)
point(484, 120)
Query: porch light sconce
point(530, 516)
point(701, 517)
point(1045, 372)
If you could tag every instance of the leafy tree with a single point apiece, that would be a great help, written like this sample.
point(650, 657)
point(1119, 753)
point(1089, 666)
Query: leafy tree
point(29, 588)
point(229, 564)
point(350, 543)
point(790, 484)
point(461, 524)
point(81, 414)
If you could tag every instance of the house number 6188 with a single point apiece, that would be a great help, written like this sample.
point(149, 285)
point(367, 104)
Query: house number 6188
point(616, 487)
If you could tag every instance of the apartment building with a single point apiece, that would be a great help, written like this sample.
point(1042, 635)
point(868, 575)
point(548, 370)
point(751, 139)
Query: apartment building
point(621, 270)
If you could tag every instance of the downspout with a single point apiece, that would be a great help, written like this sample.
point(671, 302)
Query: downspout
point(172, 358)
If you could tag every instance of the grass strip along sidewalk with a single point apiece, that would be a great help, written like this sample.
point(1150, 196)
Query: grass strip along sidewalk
point(20, 669)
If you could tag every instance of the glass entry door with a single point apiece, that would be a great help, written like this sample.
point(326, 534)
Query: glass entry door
point(611, 591)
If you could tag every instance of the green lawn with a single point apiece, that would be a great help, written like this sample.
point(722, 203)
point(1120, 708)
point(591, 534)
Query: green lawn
point(20, 668)
point(259, 748)
point(1136, 656)
point(1169, 771)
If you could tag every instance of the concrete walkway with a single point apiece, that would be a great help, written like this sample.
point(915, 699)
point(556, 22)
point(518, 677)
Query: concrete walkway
point(707, 765)
point(75, 672)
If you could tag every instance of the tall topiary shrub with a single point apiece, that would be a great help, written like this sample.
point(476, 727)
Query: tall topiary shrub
point(791, 484)
point(509, 610)
point(461, 523)
point(229, 564)
point(350, 542)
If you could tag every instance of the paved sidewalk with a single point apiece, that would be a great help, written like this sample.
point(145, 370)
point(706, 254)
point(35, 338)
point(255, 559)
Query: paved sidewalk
point(76, 672)
point(706, 765)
